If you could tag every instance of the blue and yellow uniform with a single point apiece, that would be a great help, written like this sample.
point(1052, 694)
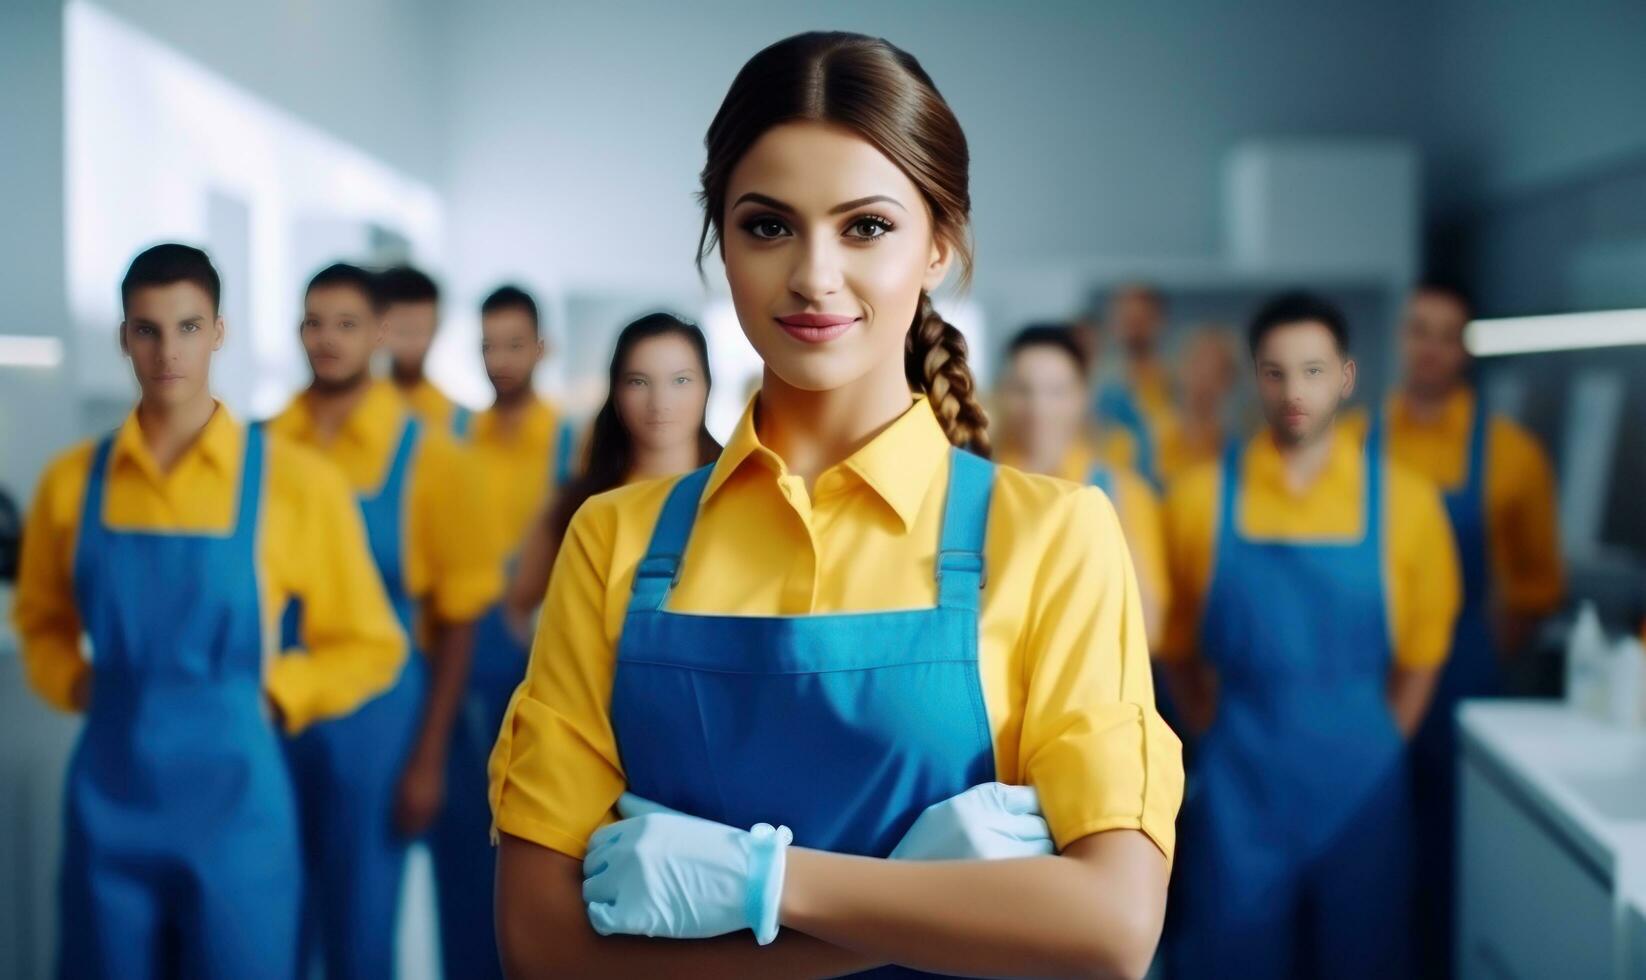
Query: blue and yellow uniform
point(182, 847)
point(922, 619)
point(433, 548)
point(1499, 491)
point(433, 407)
point(1296, 843)
point(519, 467)
point(1141, 406)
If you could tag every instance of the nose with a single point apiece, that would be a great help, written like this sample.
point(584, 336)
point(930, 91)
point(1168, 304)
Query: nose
point(816, 273)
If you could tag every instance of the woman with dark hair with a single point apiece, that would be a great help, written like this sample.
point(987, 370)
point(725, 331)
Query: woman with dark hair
point(850, 634)
point(650, 426)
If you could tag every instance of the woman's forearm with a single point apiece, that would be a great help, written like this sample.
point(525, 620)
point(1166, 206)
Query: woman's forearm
point(543, 931)
point(1410, 692)
point(1095, 911)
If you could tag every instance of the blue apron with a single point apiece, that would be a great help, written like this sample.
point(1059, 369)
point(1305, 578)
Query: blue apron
point(460, 840)
point(347, 770)
point(843, 726)
point(180, 853)
point(1472, 670)
point(1117, 405)
point(1295, 854)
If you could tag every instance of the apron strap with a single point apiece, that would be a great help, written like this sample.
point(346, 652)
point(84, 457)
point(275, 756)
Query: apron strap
point(961, 572)
point(1101, 478)
point(1228, 509)
point(393, 491)
point(461, 416)
point(251, 484)
point(565, 439)
point(1477, 446)
point(91, 506)
point(1373, 540)
point(660, 568)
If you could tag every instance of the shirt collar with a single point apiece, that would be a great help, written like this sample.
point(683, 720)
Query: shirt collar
point(1264, 467)
point(1454, 417)
point(375, 420)
point(219, 443)
point(898, 464)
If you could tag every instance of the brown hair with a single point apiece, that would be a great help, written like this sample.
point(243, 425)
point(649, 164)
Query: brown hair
point(880, 93)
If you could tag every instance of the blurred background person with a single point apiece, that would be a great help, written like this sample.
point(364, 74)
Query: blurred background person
point(1208, 369)
point(522, 449)
point(1138, 397)
point(1042, 400)
point(371, 783)
point(1314, 592)
point(165, 543)
point(650, 426)
point(411, 316)
point(1499, 491)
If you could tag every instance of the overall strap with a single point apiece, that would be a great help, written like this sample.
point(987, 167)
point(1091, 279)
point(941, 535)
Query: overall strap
point(1228, 509)
point(461, 417)
point(1102, 478)
point(1375, 476)
point(961, 573)
point(394, 483)
point(91, 506)
point(660, 568)
point(251, 482)
point(1476, 478)
point(565, 438)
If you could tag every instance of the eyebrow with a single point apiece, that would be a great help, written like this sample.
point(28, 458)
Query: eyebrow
point(841, 208)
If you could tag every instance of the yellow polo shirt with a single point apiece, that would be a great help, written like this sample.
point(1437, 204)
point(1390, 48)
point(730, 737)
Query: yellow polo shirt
point(1522, 522)
point(1062, 654)
point(516, 467)
point(450, 560)
point(311, 546)
point(1422, 583)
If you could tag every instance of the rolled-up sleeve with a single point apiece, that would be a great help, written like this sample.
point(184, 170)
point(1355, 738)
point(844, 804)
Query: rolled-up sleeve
point(1093, 745)
point(555, 771)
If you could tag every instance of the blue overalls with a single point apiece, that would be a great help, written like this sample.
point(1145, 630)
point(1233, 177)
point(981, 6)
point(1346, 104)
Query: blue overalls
point(1472, 670)
point(348, 769)
point(180, 853)
point(843, 726)
point(1295, 854)
point(460, 840)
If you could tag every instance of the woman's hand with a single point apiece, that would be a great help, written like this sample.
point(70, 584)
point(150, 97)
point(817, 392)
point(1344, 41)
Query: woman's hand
point(663, 874)
point(988, 822)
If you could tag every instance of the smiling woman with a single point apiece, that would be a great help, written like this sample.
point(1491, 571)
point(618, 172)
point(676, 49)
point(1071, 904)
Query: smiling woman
point(795, 672)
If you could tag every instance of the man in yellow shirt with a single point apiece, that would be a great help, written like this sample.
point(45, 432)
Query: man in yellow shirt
point(168, 543)
point(411, 316)
point(1499, 491)
point(370, 783)
point(1140, 400)
point(522, 450)
point(1314, 590)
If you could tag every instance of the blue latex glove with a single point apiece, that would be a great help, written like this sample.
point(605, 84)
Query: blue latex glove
point(985, 823)
point(664, 874)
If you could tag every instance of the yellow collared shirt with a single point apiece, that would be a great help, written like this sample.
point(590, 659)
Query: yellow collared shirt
point(1422, 582)
point(1522, 524)
point(430, 404)
point(311, 546)
point(1062, 654)
point(450, 558)
point(516, 467)
point(1138, 507)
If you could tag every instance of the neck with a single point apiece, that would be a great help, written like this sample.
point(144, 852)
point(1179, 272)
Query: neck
point(331, 405)
point(1304, 461)
point(1203, 424)
point(510, 405)
point(1427, 404)
point(652, 462)
point(813, 430)
point(1047, 458)
point(169, 430)
point(406, 378)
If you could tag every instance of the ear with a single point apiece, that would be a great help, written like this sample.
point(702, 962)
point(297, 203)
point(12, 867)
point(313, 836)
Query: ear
point(937, 264)
point(217, 334)
point(125, 348)
point(542, 350)
point(379, 327)
point(1348, 378)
